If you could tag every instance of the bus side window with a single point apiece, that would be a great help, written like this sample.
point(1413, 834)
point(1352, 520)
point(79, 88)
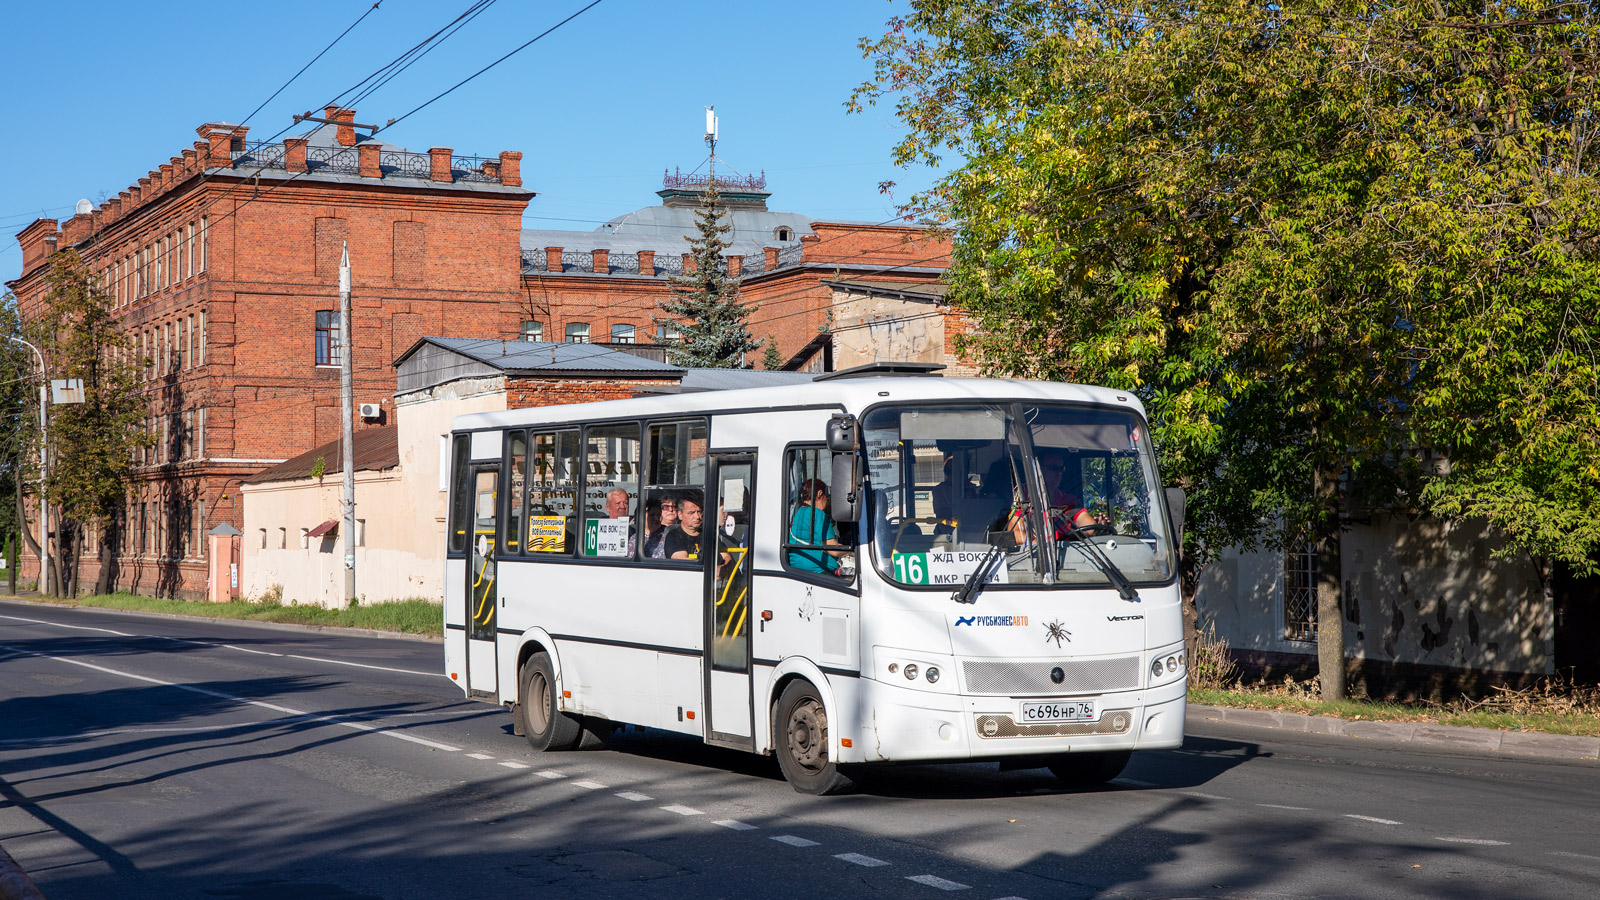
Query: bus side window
point(812, 542)
point(674, 482)
point(461, 490)
point(552, 509)
point(517, 451)
point(610, 491)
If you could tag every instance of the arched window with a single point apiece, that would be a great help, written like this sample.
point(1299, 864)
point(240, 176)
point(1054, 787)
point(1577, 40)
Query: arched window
point(577, 332)
point(622, 334)
point(783, 233)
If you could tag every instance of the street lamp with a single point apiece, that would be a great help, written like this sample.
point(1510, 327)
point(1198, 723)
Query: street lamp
point(44, 506)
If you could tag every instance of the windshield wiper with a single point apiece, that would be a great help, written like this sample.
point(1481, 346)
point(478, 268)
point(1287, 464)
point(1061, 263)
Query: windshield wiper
point(968, 593)
point(1102, 562)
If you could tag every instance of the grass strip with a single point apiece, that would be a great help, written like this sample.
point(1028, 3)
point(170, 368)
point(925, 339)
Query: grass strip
point(1556, 720)
point(414, 616)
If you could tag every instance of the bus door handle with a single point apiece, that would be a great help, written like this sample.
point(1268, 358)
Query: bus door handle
point(766, 616)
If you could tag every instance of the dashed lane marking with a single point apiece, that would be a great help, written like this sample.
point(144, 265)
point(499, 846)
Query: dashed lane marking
point(734, 824)
point(635, 796)
point(943, 884)
point(341, 721)
point(794, 841)
point(1373, 819)
point(479, 756)
point(1133, 782)
point(1281, 806)
point(589, 785)
point(683, 810)
point(551, 774)
point(1204, 796)
point(1575, 855)
point(859, 859)
point(1478, 841)
point(514, 765)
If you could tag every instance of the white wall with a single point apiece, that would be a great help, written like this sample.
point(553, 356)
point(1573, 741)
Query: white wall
point(1426, 592)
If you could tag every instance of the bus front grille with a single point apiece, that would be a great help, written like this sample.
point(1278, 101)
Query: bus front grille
point(1083, 676)
point(1002, 726)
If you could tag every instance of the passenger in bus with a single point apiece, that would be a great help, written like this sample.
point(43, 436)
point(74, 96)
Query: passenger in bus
point(684, 542)
point(812, 525)
point(660, 517)
point(617, 508)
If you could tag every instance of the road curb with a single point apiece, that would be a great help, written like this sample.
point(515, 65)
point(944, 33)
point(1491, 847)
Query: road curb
point(1519, 743)
point(15, 883)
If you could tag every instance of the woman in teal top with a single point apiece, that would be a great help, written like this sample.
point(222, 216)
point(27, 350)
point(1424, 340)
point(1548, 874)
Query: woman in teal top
point(812, 525)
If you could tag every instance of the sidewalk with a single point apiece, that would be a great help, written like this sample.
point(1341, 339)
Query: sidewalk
point(1520, 743)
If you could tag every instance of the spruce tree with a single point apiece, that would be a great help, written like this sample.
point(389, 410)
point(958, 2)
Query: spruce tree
point(773, 359)
point(704, 305)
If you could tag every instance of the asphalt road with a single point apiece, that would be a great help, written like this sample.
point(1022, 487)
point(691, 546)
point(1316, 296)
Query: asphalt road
point(145, 757)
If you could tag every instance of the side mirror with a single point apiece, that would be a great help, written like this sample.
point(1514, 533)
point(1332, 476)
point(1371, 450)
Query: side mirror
point(845, 505)
point(842, 433)
point(1176, 507)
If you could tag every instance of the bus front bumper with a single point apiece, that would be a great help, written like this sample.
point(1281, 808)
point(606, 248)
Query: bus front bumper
point(899, 724)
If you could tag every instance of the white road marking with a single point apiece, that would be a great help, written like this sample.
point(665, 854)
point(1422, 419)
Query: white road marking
point(479, 756)
point(1281, 806)
point(1373, 819)
point(859, 860)
point(794, 841)
point(683, 810)
point(162, 637)
point(551, 774)
point(1479, 841)
point(341, 721)
point(735, 824)
point(935, 881)
point(589, 785)
point(514, 765)
point(1133, 782)
point(1574, 855)
point(635, 796)
point(1203, 796)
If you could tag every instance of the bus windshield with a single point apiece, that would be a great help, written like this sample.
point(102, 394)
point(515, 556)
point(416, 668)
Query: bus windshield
point(951, 482)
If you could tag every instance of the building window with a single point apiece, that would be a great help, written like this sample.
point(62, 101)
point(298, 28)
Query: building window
point(783, 233)
point(622, 334)
point(532, 331)
point(328, 349)
point(1300, 591)
point(283, 538)
point(577, 332)
point(361, 532)
point(667, 334)
point(200, 353)
point(205, 239)
point(263, 538)
point(188, 250)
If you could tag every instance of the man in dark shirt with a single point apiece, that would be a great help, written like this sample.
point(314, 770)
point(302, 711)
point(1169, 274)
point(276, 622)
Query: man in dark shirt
point(684, 542)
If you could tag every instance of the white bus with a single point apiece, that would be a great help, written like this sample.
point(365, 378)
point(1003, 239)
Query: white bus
point(865, 569)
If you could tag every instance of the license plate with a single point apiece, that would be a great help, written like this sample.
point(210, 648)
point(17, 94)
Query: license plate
point(1045, 712)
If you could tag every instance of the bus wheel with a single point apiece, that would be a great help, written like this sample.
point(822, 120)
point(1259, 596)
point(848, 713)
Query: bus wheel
point(1084, 769)
point(594, 733)
point(544, 724)
point(802, 743)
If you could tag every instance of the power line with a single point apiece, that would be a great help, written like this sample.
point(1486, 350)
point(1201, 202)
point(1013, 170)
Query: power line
point(309, 64)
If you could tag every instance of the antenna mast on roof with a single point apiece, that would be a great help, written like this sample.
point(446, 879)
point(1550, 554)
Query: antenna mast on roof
point(711, 141)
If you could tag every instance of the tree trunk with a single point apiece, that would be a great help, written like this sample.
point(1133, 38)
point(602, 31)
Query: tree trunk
point(1189, 587)
point(1330, 617)
point(110, 540)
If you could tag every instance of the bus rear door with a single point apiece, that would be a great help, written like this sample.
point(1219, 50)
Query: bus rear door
point(729, 522)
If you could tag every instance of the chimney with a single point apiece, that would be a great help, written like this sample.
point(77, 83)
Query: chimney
point(219, 142)
point(772, 258)
point(647, 262)
point(367, 160)
point(511, 168)
point(602, 261)
point(347, 134)
point(552, 259)
point(294, 154)
point(735, 266)
point(688, 263)
point(439, 164)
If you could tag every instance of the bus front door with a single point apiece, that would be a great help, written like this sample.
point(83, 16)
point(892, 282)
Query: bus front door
point(481, 596)
point(728, 527)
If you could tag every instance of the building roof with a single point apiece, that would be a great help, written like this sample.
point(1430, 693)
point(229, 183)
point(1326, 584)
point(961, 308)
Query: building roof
point(433, 361)
point(664, 229)
point(736, 379)
point(922, 292)
point(331, 161)
point(375, 449)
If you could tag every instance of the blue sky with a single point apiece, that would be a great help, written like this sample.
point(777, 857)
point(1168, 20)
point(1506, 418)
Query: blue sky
point(99, 93)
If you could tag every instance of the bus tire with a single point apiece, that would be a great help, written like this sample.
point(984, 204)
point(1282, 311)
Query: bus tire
point(544, 724)
point(594, 733)
point(802, 743)
point(1086, 769)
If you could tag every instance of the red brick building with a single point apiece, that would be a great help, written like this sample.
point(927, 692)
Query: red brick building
point(223, 267)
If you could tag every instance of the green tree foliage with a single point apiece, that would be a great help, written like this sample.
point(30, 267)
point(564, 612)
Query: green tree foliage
point(704, 305)
point(1311, 238)
point(772, 359)
point(92, 442)
point(19, 423)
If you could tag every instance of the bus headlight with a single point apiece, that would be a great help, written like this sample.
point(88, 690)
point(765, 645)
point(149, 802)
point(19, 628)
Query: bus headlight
point(932, 674)
point(911, 671)
point(1156, 669)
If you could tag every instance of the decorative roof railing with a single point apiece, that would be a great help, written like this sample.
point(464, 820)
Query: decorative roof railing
point(260, 155)
point(404, 162)
point(344, 160)
point(535, 261)
point(473, 168)
point(676, 180)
